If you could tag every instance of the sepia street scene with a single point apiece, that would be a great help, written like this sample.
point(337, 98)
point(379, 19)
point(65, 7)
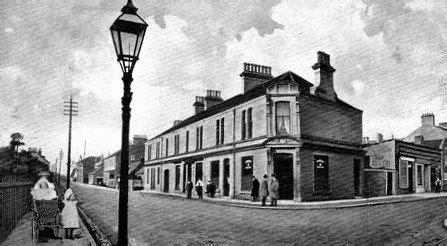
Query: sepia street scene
point(130, 122)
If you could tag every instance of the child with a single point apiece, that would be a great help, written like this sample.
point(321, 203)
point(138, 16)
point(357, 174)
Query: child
point(70, 213)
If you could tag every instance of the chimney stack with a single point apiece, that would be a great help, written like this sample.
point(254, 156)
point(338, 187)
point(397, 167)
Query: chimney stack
point(418, 139)
point(176, 122)
point(428, 119)
point(212, 98)
point(199, 104)
point(254, 75)
point(324, 77)
point(139, 139)
point(379, 137)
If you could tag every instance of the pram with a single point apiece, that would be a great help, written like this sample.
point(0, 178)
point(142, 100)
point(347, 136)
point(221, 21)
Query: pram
point(46, 214)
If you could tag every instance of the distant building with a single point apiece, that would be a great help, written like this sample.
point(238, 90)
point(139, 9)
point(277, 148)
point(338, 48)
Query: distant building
point(434, 136)
point(394, 167)
point(96, 176)
point(304, 134)
point(112, 162)
point(84, 167)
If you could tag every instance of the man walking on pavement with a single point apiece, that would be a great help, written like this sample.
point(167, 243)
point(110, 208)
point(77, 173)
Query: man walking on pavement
point(264, 191)
point(274, 186)
point(255, 189)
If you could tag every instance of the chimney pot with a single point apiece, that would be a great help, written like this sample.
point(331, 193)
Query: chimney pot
point(379, 137)
point(254, 75)
point(199, 104)
point(428, 119)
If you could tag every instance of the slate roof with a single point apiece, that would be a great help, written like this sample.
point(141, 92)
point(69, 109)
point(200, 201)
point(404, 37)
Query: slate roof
point(253, 93)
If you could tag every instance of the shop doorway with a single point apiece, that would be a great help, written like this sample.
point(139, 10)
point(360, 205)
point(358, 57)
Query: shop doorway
point(226, 184)
point(166, 181)
point(389, 183)
point(283, 168)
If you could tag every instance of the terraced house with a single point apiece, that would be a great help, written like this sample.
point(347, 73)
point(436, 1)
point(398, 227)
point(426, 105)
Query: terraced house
point(285, 125)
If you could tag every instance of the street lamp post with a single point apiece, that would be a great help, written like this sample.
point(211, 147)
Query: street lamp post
point(127, 33)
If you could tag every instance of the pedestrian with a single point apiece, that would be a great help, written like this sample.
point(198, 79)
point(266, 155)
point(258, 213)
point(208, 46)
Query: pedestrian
point(70, 213)
point(212, 189)
point(208, 188)
point(255, 189)
point(264, 191)
point(274, 186)
point(199, 188)
point(189, 187)
point(438, 185)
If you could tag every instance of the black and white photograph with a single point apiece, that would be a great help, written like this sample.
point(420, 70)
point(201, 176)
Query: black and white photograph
point(223, 122)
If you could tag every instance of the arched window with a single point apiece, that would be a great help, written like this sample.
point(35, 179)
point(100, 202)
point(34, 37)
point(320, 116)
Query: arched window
point(282, 117)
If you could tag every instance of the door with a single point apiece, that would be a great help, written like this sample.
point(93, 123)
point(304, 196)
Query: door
point(166, 181)
point(226, 184)
point(199, 170)
point(410, 179)
point(420, 178)
point(389, 183)
point(283, 168)
point(356, 177)
point(215, 165)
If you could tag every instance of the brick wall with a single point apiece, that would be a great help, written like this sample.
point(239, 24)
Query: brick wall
point(375, 183)
point(341, 175)
point(328, 120)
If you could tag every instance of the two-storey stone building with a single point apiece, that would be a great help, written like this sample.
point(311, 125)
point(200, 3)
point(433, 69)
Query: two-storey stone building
point(304, 134)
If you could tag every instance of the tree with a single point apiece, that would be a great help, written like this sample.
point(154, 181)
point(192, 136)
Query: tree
point(16, 141)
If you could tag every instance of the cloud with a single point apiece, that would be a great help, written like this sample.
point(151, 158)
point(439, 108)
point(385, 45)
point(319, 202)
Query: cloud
point(9, 30)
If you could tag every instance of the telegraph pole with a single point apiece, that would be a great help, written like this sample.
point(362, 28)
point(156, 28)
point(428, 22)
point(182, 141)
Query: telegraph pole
point(70, 109)
point(60, 163)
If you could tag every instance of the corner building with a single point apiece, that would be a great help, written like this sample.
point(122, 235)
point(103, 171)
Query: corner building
point(285, 125)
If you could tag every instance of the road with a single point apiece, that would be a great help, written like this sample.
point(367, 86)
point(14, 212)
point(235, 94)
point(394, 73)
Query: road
point(158, 219)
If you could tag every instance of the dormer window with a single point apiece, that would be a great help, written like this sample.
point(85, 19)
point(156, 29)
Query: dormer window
point(282, 117)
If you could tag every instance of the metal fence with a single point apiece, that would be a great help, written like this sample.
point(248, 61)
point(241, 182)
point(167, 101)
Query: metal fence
point(15, 202)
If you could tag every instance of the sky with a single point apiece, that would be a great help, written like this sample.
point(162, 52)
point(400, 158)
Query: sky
point(390, 56)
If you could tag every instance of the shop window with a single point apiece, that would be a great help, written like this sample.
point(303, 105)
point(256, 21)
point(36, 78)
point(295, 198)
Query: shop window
point(247, 172)
point(321, 173)
point(282, 117)
point(152, 178)
point(419, 175)
point(147, 176)
point(199, 171)
point(177, 177)
point(215, 172)
point(403, 173)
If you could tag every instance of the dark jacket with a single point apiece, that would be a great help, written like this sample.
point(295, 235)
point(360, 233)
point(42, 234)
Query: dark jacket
point(255, 188)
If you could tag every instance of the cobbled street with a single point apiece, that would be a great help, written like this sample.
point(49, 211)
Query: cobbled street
point(158, 219)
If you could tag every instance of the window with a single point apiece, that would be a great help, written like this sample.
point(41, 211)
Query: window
point(149, 152)
point(177, 177)
point(321, 173)
point(247, 172)
point(282, 118)
point(187, 142)
point(158, 175)
point(199, 137)
point(249, 123)
point(111, 175)
point(217, 132)
point(176, 144)
point(147, 176)
point(222, 130)
point(167, 146)
point(243, 125)
point(157, 150)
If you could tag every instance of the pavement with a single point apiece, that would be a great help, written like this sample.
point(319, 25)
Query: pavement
point(157, 219)
point(290, 205)
point(21, 235)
